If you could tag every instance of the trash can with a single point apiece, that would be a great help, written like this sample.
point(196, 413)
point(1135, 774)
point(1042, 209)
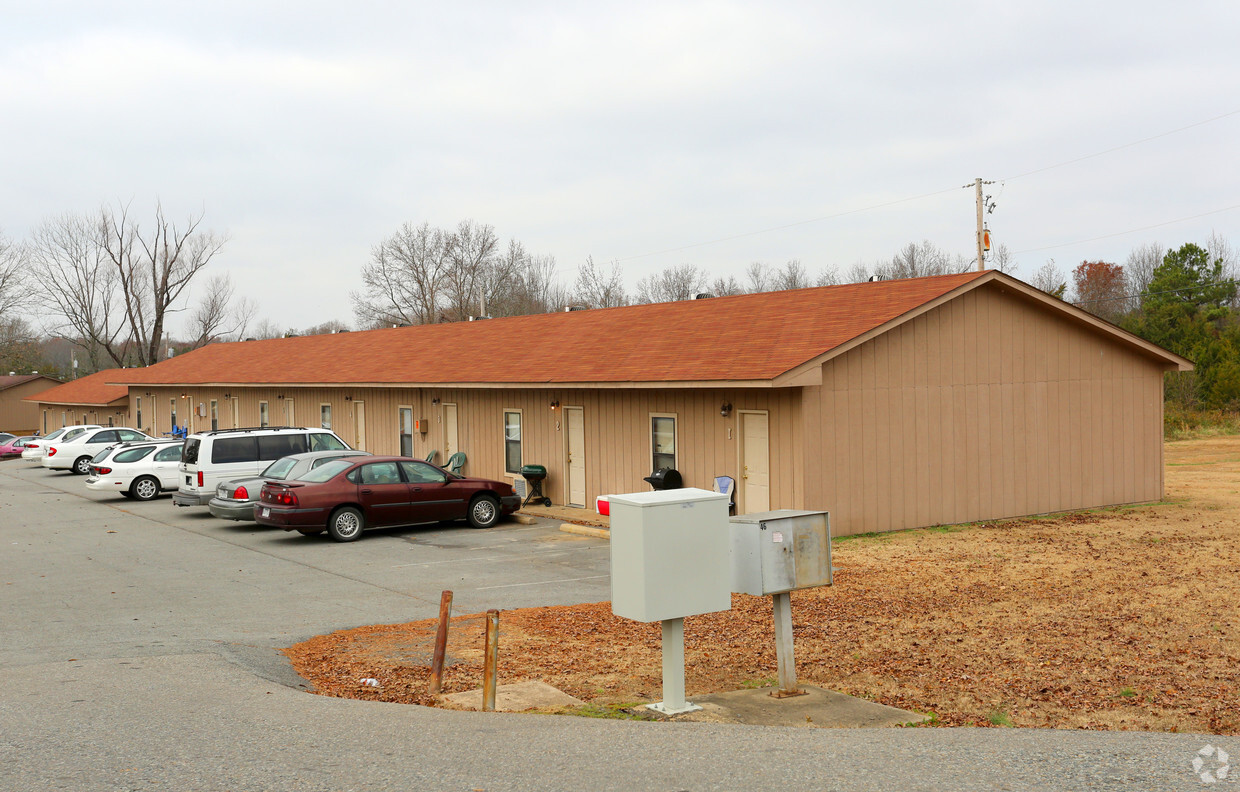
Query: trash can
point(665, 479)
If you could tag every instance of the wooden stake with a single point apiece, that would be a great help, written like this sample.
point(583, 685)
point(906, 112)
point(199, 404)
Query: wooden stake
point(441, 642)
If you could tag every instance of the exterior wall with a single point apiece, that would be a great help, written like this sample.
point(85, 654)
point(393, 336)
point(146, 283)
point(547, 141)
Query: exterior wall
point(21, 417)
point(985, 407)
point(59, 415)
point(617, 428)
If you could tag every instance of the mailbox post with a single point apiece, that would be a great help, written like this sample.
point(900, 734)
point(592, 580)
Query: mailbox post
point(669, 560)
point(774, 553)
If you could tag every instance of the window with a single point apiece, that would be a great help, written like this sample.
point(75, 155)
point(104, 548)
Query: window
point(663, 441)
point(173, 409)
point(380, 473)
point(328, 470)
point(422, 473)
point(215, 414)
point(134, 454)
point(512, 441)
point(322, 441)
point(129, 435)
point(281, 445)
point(170, 454)
point(139, 411)
point(406, 431)
point(106, 436)
point(325, 416)
point(262, 414)
point(279, 469)
point(234, 449)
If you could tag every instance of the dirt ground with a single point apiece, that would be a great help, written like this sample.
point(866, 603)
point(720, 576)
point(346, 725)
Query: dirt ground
point(1124, 618)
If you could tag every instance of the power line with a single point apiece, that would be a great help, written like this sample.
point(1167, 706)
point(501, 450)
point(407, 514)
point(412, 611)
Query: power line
point(1129, 231)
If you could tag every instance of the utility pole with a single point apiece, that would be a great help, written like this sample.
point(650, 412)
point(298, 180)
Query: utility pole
point(981, 253)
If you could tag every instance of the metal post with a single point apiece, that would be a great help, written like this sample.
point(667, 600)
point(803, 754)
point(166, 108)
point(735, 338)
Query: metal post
point(673, 702)
point(785, 656)
point(441, 642)
point(490, 663)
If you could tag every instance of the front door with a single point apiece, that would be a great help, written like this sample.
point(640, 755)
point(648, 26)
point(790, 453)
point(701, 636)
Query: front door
point(450, 446)
point(574, 417)
point(359, 425)
point(290, 415)
point(236, 413)
point(755, 462)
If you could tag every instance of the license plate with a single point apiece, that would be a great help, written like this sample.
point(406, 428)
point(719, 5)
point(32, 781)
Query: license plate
point(266, 512)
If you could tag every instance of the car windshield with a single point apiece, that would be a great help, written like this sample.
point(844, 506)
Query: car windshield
point(134, 454)
point(72, 433)
point(328, 470)
point(102, 455)
point(55, 435)
point(280, 468)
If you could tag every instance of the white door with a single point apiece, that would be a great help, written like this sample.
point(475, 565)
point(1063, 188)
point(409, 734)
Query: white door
point(450, 446)
point(359, 425)
point(755, 463)
point(236, 413)
point(290, 414)
point(574, 417)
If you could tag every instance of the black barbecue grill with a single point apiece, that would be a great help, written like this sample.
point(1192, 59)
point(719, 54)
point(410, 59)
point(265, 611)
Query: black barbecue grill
point(534, 475)
point(665, 479)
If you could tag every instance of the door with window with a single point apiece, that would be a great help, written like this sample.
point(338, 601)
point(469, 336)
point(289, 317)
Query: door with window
point(575, 422)
point(450, 445)
point(432, 496)
point(359, 425)
point(406, 431)
point(382, 492)
point(755, 462)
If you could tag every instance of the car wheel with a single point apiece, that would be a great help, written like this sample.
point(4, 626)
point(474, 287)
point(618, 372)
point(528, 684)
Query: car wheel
point(309, 531)
point(346, 524)
point(483, 511)
point(82, 466)
point(144, 488)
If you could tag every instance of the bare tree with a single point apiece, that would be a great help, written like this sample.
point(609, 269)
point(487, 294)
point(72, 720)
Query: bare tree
point(791, 276)
point(326, 328)
point(1139, 269)
point(12, 273)
point(860, 272)
point(1050, 279)
point(533, 288)
point(917, 261)
point(726, 287)
point(1002, 258)
point(153, 270)
point(827, 278)
point(597, 288)
point(1220, 250)
point(405, 278)
point(478, 271)
point(759, 279)
point(675, 283)
point(79, 292)
point(219, 316)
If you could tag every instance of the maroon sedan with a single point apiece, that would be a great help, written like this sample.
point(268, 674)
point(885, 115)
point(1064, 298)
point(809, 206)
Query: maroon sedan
point(347, 496)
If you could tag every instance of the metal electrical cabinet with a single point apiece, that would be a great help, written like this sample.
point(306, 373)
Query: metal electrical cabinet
point(779, 551)
point(669, 554)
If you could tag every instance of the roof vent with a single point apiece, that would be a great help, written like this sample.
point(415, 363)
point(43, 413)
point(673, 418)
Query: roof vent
point(873, 279)
point(342, 330)
point(12, 373)
point(568, 308)
point(251, 339)
point(703, 296)
point(478, 318)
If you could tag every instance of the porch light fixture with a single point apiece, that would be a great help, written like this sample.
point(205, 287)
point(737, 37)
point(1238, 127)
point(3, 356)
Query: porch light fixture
point(725, 409)
point(555, 405)
point(434, 402)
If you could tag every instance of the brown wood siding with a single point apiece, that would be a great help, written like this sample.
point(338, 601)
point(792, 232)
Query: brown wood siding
point(22, 417)
point(617, 428)
point(985, 407)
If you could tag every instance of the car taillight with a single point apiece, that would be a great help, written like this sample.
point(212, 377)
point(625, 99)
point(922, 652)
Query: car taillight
point(32, 445)
point(51, 452)
point(200, 478)
point(241, 493)
point(103, 471)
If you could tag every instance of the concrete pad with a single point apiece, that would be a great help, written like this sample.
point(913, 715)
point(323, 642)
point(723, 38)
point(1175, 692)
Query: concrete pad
point(515, 697)
point(818, 707)
point(585, 530)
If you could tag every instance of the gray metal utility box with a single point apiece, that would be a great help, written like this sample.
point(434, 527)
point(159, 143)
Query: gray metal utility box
point(782, 550)
point(669, 554)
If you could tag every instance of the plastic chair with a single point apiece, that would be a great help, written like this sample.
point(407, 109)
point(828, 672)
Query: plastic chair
point(727, 486)
point(431, 456)
point(456, 462)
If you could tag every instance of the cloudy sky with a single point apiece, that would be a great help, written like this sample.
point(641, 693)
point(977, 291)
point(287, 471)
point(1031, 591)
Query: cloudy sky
point(655, 134)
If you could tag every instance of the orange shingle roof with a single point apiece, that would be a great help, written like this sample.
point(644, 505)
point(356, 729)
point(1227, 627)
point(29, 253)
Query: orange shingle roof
point(92, 389)
point(745, 337)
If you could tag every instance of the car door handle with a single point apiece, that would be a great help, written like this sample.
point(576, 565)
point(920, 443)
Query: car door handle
point(417, 489)
point(366, 490)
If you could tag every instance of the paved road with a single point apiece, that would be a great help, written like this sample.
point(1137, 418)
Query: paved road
point(137, 651)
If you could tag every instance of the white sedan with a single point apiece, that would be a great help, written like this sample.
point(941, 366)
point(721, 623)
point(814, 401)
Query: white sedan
point(137, 470)
point(36, 448)
point(74, 454)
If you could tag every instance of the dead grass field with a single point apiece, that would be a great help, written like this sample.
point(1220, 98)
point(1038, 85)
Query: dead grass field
point(1123, 618)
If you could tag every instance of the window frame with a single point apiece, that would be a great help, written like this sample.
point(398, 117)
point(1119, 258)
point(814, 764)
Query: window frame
point(400, 429)
point(264, 414)
point(505, 442)
point(215, 414)
point(325, 412)
point(675, 440)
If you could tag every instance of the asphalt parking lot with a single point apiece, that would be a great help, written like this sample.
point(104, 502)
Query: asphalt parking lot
point(137, 651)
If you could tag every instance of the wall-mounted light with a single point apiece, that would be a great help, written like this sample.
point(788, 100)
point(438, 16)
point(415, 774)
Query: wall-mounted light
point(555, 405)
point(348, 398)
point(227, 396)
point(184, 395)
point(279, 395)
point(725, 409)
point(434, 402)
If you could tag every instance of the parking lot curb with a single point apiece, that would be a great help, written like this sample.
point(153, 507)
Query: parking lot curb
point(585, 530)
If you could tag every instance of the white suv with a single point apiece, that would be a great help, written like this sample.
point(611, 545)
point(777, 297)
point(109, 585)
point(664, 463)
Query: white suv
point(210, 458)
point(75, 452)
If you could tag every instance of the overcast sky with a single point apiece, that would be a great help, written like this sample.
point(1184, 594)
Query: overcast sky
point(643, 132)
